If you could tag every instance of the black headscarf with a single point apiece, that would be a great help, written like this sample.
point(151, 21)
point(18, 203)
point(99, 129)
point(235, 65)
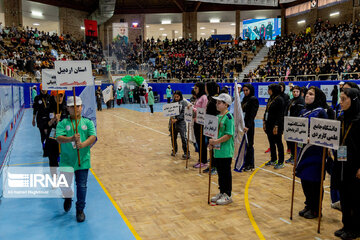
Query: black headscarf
point(283, 86)
point(319, 100)
point(353, 112)
point(252, 92)
point(201, 87)
point(352, 85)
point(275, 88)
point(212, 89)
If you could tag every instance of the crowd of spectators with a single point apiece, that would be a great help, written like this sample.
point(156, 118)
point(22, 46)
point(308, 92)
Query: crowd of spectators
point(27, 50)
point(186, 59)
point(313, 54)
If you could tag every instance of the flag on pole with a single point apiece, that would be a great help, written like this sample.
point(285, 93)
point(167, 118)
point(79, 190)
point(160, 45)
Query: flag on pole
point(239, 136)
point(89, 105)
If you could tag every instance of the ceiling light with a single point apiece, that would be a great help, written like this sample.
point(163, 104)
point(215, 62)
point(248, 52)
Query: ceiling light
point(233, 24)
point(180, 37)
point(147, 26)
point(36, 24)
point(162, 29)
point(165, 21)
point(202, 33)
point(164, 34)
point(212, 31)
point(334, 14)
point(214, 20)
point(202, 28)
point(82, 28)
point(36, 13)
point(176, 31)
point(301, 22)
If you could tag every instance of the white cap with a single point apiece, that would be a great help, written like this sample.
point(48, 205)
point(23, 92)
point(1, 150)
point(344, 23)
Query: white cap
point(70, 101)
point(225, 98)
point(341, 83)
point(150, 87)
point(168, 85)
point(239, 85)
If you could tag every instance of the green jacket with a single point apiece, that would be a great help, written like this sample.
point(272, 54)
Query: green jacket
point(151, 98)
point(168, 93)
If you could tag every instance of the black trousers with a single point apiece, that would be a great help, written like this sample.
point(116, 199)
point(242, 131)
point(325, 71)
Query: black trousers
point(151, 108)
point(223, 167)
point(276, 142)
point(203, 150)
point(168, 100)
point(44, 135)
point(52, 150)
point(312, 194)
point(291, 146)
point(249, 156)
point(179, 129)
point(350, 204)
point(99, 107)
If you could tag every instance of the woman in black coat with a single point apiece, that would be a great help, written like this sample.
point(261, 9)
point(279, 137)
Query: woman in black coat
point(273, 125)
point(293, 110)
point(348, 171)
point(250, 106)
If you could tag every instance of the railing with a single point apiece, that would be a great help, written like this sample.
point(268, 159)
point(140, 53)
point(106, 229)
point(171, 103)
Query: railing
point(321, 76)
point(5, 70)
point(287, 78)
point(344, 76)
point(190, 80)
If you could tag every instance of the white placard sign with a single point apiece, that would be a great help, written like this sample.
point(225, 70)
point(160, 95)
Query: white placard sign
point(171, 109)
point(211, 126)
point(263, 91)
point(200, 116)
point(107, 94)
point(296, 129)
point(74, 73)
point(49, 81)
point(188, 114)
point(325, 133)
point(327, 89)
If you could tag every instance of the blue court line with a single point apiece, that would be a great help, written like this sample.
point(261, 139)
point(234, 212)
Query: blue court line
point(45, 218)
point(136, 107)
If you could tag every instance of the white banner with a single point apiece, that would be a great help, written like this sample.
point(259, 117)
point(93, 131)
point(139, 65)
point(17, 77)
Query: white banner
point(188, 114)
point(296, 129)
point(74, 73)
point(327, 89)
point(200, 116)
point(107, 94)
point(171, 109)
point(211, 126)
point(325, 133)
point(263, 91)
point(49, 81)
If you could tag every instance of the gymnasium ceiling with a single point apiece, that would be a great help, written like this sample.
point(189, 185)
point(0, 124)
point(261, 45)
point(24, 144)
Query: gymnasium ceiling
point(152, 6)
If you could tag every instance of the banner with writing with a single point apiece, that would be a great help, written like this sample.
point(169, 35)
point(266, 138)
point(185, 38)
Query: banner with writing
point(74, 73)
point(107, 94)
point(296, 129)
point(188, 114)
point(171, 109)
point(325, 133)
point(200, 116)
point(49, 81)
point(211, 126)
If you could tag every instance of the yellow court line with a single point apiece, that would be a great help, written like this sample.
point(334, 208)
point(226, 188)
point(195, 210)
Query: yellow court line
point(136, 235)
point(21, 164)
point(247, 204)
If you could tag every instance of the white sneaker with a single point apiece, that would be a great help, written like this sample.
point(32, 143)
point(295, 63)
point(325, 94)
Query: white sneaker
point(216, 197)
point(225, 199)
point(336, 205)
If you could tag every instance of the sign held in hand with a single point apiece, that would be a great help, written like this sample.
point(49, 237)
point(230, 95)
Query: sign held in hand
point(325, 133)
point(49, 81)
point(296, 129)
point(171, 109)
point(188, 114)
point(211, 126)
point(200, 116)
point(74, 73)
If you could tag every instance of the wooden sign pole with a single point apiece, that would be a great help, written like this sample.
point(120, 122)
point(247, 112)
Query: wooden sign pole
point(293, 183)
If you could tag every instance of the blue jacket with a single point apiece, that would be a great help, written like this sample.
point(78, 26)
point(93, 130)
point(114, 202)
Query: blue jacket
point(310, 156)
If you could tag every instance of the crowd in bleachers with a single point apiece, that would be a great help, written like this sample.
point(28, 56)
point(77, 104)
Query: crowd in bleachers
point(186, 59)
point(328, 50)
point(27, 50)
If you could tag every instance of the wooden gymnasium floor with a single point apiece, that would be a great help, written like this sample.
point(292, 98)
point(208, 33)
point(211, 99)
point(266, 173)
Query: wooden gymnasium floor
point(163, 200)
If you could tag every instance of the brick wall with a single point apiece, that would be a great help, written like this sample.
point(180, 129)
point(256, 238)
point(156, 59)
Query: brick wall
point(70, 22)
point(346, 10)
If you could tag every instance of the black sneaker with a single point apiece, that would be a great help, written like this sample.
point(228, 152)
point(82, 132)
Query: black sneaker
point(206, 170)
point(349, 235)
point(67, 204)
point(310, 215)
point(302, 212)
point(339, 232)
point(271, 163)
point(184, 156)
point(80, 215)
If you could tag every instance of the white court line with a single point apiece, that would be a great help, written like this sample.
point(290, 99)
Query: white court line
point(317, 238)
point(124, 119)
point(283, 176)
point(285, 221)
point(254, 204)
